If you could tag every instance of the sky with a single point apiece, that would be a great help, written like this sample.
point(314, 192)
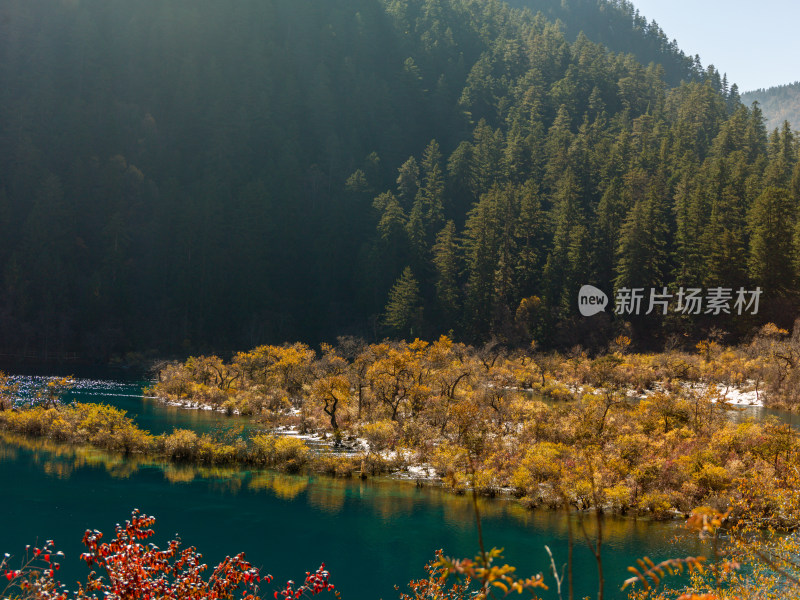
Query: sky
point(757, 43)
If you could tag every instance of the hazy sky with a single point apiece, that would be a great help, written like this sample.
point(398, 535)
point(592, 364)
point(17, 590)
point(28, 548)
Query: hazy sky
point(756, 43)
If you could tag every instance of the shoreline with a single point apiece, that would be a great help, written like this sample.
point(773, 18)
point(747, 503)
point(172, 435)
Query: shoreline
point(295, 441)
point(394, 478)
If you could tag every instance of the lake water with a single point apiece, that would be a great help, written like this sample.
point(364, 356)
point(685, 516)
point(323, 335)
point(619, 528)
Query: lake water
point(371, 534)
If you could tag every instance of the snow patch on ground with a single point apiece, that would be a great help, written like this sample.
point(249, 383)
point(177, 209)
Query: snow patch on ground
point(745, 395)
point(417, 473)
point(422, 471)
point(743, 398)
point(189, 405)
point(295, 433)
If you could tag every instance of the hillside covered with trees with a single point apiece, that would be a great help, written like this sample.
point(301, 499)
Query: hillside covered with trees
point(197, 175)
point(618, 25)
point(780, 103)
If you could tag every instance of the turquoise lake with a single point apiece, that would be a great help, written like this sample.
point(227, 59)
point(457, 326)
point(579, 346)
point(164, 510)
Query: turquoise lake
point(371, 534)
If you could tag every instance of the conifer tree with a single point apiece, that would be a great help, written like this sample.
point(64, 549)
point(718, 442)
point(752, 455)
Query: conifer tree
point(559, 140)
point(507, 207)
point(403, 313)
point(642, 246)
point(734, 100)
point(480, 250)
point(408, 182)
point(691, 217)
point(430, 196)
point(445, 259)
point(393, 239)
point(531, 237)
point(783, 157)
point(418, 244)
point(487, 157)
point(566, 262)
point(771, 223)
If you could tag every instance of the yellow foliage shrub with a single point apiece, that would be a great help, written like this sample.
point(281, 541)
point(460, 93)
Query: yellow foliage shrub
point(713, 477)
point(657, 503)
point(181, 444)
point(618, 496)
point(380, 435)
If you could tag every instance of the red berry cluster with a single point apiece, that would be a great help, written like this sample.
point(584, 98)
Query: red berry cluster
point(314, 584)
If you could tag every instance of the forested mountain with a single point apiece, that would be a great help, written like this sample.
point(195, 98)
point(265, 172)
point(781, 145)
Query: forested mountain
point(618, 25)
point(199, 174)
point(780, 103)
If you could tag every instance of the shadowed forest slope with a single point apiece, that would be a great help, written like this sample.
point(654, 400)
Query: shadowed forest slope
point(191, 175)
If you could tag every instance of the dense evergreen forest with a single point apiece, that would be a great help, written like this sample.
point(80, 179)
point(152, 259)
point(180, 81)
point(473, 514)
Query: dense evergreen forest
point(617, 25)
point(198, 174)
point(780, 103)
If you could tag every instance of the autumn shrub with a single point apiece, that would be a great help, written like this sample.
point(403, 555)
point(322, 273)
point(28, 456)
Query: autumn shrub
point(657, 503)
point(712, 477)
point(37, 421)
point(380, 435)
point(375, 464)
point(181, 444)
point(663, 444)
point(336, 465)
point(187, 445)
point(103, 426)
point(290, 449)
point(542, 463)
point(485, 480)
point(261, 400)
point(263, 448)
point(212, 451)
point(125, 440)
point(208, 395)
point(306, 423)
point(417, 434)
point(173, 381)
point(8, 392)
point(452, 465)
point(34, 578)
point(107, 427)
point(537, 422)
point(618, 497)
point(558, 392)
point(742, 438)
point(436, 584)
point(282, 451)
point(230, 407)
point(126, 569)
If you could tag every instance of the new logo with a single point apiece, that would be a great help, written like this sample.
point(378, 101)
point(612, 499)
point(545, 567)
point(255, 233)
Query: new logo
point(591, 300)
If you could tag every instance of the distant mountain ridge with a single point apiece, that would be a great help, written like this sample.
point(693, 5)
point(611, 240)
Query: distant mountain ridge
point(780, 103)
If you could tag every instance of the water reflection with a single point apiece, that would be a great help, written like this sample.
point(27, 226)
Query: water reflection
point(356, 526)
point(179, 473)
point(285, 487)
point(387, 499)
